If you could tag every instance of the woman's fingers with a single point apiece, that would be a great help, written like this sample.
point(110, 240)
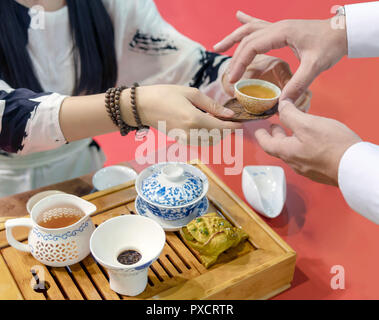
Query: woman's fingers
point(207, 104)
point(205, 129)
point(209, 122)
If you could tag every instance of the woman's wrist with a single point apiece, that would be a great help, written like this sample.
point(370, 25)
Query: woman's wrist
point(126, 108)
point(143, 99)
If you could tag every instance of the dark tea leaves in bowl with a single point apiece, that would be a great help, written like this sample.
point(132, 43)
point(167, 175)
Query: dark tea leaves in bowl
point(129, 257)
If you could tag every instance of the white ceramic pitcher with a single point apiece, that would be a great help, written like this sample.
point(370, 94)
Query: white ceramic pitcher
point(55, 247)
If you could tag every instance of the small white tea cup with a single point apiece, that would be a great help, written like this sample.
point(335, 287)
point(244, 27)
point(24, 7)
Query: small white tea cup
point(256, 105)
point(109, 177)
point(129, 232)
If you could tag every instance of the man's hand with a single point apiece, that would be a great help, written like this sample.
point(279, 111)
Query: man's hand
point(316, 146)
point(315, 43)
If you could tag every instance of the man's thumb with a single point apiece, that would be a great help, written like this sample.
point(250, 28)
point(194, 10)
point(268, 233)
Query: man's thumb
point(291, 116)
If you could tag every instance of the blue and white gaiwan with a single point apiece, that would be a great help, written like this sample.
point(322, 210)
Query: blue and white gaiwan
point(172, 190)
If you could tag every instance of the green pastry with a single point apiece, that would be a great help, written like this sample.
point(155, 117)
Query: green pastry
point(211, 235)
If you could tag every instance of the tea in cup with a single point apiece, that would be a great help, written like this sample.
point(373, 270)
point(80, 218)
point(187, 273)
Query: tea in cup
point(61, 228)
point(257, 96)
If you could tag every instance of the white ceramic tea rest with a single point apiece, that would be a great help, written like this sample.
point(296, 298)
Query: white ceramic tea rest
point(265, 189)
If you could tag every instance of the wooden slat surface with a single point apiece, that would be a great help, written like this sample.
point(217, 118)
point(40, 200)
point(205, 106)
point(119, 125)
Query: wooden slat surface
point(99, 279)
point(20, 264)
point(68, 286)
point(8, 288)
point(178, 273)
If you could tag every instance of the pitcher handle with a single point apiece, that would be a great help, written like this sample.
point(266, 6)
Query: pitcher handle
point(9, 225)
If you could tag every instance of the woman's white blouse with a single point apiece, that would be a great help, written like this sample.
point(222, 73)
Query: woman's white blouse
point(149, 51)
point(33, 150)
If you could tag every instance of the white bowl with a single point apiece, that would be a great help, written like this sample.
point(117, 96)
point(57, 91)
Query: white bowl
point(265, 189)
point(109, 177)
point(39, 196)
point(129, 232)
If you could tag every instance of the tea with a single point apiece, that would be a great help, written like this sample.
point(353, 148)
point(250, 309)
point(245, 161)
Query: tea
point(258, 91)
point(129, 257)
point(59, 217)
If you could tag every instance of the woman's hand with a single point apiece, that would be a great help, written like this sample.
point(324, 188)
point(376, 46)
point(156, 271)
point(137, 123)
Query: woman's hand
point(271, 69)
point(316, 146)
point(315, 43)
point(180, 107)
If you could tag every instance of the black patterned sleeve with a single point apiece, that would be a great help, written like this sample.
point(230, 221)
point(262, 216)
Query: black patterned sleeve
point(29, 121)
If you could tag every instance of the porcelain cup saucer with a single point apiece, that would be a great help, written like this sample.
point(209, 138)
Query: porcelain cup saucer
point(174, 225)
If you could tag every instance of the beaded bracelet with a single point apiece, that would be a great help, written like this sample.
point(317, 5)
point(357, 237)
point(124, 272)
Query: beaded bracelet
point(141, 129)
point(112, 105)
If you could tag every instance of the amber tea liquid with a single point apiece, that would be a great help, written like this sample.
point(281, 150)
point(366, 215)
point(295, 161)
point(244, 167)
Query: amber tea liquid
point(258, 91)
point(59, 217)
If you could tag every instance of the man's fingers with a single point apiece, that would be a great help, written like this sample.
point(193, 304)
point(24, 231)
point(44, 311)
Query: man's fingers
point(245, 18)
point(268, 143)
point(300, 81)
point(291, 117)
point(258, 43)
point(250, 26)
point(304, 102)
point(235, 37)
point(277, 131)
point(238, 66)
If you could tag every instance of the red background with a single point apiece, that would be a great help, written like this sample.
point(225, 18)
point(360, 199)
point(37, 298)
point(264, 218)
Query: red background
point(316, 221)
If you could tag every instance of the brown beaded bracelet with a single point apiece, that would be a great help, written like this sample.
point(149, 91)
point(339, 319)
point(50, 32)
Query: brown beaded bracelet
point(112, 105)
point(141, 129)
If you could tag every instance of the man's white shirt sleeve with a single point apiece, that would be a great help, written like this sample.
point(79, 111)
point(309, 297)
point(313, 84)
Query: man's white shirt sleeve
point(362, 24)
point(358, 174)
point(358, 178)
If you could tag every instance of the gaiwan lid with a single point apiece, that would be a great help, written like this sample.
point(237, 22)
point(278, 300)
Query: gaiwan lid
point(172, 184)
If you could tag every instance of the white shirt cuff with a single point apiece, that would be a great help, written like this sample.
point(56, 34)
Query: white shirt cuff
point(362, 24)
point(358, 178)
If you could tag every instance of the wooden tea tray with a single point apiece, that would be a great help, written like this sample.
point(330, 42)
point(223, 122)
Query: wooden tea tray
point(261, 268)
